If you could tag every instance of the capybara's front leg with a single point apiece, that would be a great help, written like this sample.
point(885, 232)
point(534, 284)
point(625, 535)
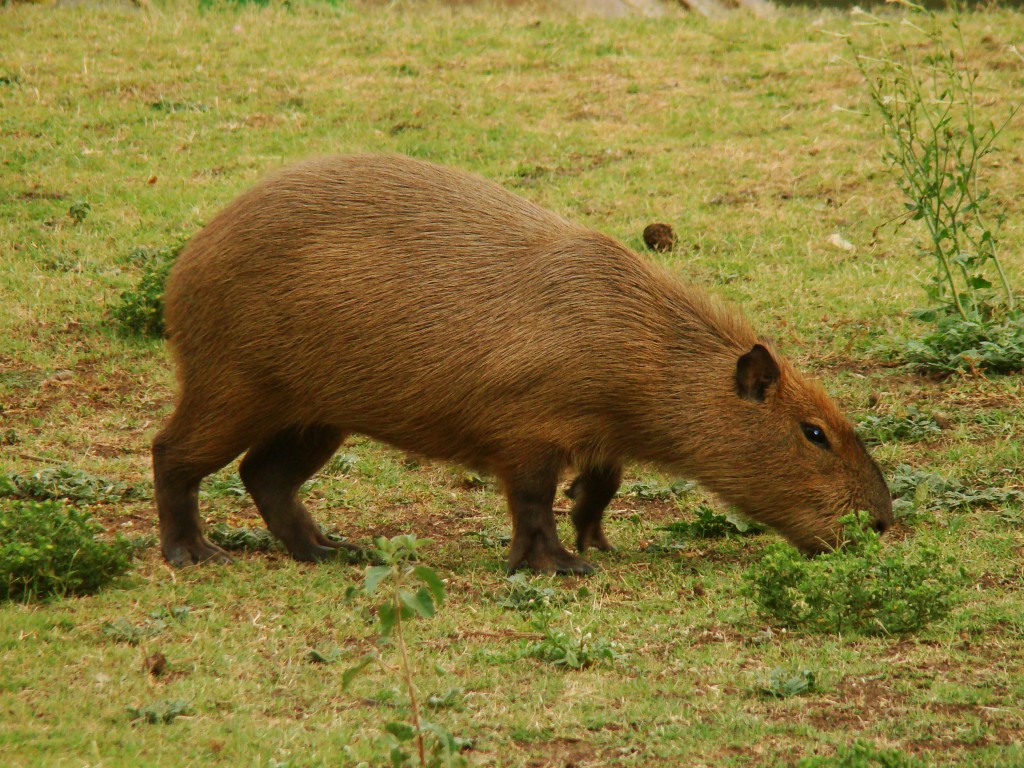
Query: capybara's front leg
point(591, 492)
point(535, 541)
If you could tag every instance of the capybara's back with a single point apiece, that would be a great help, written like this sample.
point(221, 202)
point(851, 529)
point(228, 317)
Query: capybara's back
point(437, 312)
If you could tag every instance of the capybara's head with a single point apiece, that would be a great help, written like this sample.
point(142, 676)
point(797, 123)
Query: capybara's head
point(798, 465)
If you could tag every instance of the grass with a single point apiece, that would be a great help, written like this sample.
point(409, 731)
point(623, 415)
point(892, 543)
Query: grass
point(126, 129)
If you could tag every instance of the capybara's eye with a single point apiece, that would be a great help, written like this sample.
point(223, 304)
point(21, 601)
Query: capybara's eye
point(815, 434)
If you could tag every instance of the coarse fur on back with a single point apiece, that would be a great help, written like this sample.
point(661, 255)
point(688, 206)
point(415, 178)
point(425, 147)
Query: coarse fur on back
point(435, 311)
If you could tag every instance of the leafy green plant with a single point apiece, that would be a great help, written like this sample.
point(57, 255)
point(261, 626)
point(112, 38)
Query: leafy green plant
point(79, 211)
point(916, 492)
point(341, 464)
point(939, 142)
point(650, 490)
point(911, 427)
point(929, 110)
point(863, 754)
point(65, 483)
point(242, 539)
point(47, 548)
point(781, 683)
point(973, 345)
point(526, 594)
point(140, 310)
point(224, 485)
point(708, 523)
point(160, 711)
point(574, 648)
point(123, 631)
point(409, 590)
point(862, 587)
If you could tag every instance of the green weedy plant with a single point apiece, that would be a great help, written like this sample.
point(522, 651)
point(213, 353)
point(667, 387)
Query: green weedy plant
point(64, 483)
point(160, 712)
point(527, 595)
point(912, 427)
point(860, 588)
point(49, 549)
point(140, 310)
point(918, 492)
point(651, 490)
point(938, 144)
point(572, 649)
point(781, 683)
point(708, 523)
point(397, 579)
point(862, 754)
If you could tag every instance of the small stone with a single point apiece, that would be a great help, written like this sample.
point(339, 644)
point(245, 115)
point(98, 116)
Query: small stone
point(659, 237)
point(156, 664)
point(838, 241)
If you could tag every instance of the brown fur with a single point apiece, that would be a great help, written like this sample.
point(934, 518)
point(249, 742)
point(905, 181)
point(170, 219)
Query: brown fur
point(437, 312)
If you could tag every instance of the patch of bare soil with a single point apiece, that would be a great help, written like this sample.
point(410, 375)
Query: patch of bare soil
point(563, 753)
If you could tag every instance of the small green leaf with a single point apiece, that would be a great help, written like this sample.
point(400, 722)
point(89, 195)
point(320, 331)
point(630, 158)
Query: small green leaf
point(387, 617)
point(352, 673)
point(401, 731)
point(431, 579)
point(374, 576)
point(421, 602)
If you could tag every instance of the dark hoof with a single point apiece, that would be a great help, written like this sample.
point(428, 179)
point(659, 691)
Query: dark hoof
point(183, 554)
point(595, 539)
point(548, 557)
point(318, 553)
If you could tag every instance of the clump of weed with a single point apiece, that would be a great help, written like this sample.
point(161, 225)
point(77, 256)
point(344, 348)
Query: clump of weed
point(708, 523)
point(528, 595)
point(860, 588)
point(123, 631)
point(574, 648)
point(79, 211)
point(140, 310)
point(781, 683)
point(47, 549)
point(341, 464)
point(918, 492)
point(397, 579)
point(328, 656)
point(491, 540)
point(910, 427)
point(863, 754)
point(221, 486)
point(975, 345)
point(64, 483)
point(241, 539)
point(651, 490)
point(160, 712)
point(924, 91)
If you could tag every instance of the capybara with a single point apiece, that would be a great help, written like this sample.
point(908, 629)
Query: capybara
point(437, 312)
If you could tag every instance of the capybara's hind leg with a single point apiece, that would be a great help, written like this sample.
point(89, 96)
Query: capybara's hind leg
point(591, 492)
point(181, 459)
point(534, 534)
point(273, 471)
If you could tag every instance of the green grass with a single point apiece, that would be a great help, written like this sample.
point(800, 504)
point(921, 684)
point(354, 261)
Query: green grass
point(753, 139)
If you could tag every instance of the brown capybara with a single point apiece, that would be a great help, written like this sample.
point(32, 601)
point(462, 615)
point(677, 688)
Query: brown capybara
point(435, 311)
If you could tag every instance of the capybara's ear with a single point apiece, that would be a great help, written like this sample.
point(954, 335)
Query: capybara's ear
point(756, 371)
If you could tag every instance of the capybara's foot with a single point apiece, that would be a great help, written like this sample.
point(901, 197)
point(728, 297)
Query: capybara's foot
point(542, 555)
point(591, 535)
point(324, 548)
point(314, 553)
point(182, 553)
